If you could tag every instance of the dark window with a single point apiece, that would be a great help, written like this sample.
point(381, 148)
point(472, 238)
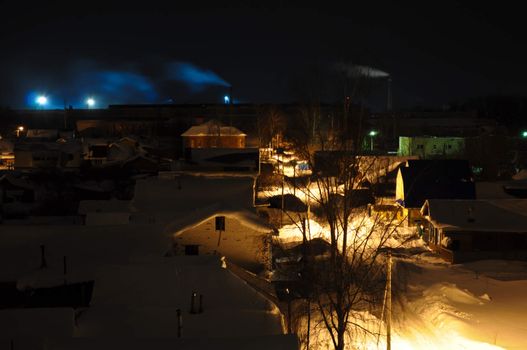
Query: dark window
point(220, 223)
point(192, 250)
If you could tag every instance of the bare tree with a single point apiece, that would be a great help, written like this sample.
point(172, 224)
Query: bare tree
point(348, 285)
point(271, 126)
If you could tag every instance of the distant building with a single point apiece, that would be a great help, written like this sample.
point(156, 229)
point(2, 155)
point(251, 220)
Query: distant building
point(7, 155)
point(467, 230)
point(391, 125)
point(432, 179)
point(213, 135)
point(430, 147)
point(47, 155)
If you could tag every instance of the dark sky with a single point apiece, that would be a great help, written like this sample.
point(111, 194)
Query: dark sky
point(435, 53)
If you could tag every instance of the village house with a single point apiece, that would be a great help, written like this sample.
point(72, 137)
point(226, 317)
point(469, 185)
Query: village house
point(48, 155)
point(213, 134)
point(420, 180)
point(468, 230)
point(241, 236)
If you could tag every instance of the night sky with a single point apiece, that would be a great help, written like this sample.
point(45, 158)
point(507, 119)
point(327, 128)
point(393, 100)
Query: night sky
point(150, 51)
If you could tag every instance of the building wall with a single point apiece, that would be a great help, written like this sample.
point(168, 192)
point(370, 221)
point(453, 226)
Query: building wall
point(399, 187)
point(238, 243)
point(458, 247)
point(214, 141)
point(411, 216)
point(432, 147)
point(23, 159)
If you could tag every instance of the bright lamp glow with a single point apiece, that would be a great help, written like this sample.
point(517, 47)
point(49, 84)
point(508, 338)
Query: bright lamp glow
point(90, 102)
point(524, 134)
point(226, 99)
point(373, 133)
point(42, 100)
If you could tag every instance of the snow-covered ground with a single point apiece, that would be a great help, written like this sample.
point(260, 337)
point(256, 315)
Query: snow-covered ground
point(436, 305)
point(479, 305)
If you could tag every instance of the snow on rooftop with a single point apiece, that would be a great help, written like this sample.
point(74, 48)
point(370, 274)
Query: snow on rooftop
point(245, 217)
point(37, 322)
point(141, 299)
point(212, 128)
point(104, 206)
point(173, 199)
point(86, 248)
point(275, 342)
point(481, 215)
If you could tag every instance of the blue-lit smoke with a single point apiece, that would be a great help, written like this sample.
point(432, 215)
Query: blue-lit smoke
point(196, 78)
point(124, 86)
point(126, 83)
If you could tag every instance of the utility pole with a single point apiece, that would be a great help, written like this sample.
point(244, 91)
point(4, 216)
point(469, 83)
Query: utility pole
point(389, 303)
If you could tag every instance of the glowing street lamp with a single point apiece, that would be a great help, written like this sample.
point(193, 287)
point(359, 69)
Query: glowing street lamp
point(42, 100)
point(372, 134)
point(524, 134)
point(19, 130)
point(226, 99)
point(90, 102)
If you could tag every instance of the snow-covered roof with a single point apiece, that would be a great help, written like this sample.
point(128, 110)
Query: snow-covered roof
point(91, 185)
point(17, 182)
point(141, 299)
point(275, 342)
point(174, 201)
point(104, 206)
point(43, 133)
point(199, 217)
point(213, 128)
point(67, 147)
point(500, 215)
point(36, 322)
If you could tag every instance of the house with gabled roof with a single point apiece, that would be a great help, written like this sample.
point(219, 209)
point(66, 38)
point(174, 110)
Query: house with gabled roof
point(420, 180)
point(213, 134)
point(467, 230)
point(241, 236)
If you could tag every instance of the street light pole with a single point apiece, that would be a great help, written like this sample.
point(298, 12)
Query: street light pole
point(372, 134)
